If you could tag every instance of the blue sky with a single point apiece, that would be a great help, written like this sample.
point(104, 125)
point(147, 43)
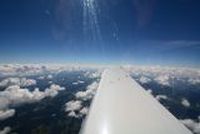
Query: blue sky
point(107, 31)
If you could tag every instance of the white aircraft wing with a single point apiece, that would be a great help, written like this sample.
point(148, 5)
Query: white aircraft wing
point(122, 106)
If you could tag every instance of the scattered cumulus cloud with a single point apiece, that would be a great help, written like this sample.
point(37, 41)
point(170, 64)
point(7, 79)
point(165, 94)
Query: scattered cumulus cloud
point(73, 114)
point(95, 74)
point(6, 130)
point(144, 80)
point(21, 70)
point(149, 91)
point(165, 75)
point(194, 81)
point(161, 97)
point(89, 93)
point(78, 82)
point(84, 111)
point(185, 102)
point(163, 80)
point(194, 126)
point(22, 82)
point(4, 102)
point(49, 76)
point(75, 108)
point(73, 105)
point(157, 97)
point(41, 77)
point(53, 90)
point(50, 82)
point(16, 84)
point(15, 95)
point(39, 69)
point(4, 114)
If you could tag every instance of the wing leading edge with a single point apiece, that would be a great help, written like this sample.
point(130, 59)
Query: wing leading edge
point(122, 106)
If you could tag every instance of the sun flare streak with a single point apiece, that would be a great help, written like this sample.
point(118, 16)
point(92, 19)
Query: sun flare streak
point(90, 20)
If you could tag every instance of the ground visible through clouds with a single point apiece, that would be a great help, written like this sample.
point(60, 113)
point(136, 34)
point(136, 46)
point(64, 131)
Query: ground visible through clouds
point(36, 99)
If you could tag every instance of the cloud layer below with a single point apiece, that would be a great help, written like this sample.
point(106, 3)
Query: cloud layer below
point(192, 125)
point(76, 108)
point(15, 95)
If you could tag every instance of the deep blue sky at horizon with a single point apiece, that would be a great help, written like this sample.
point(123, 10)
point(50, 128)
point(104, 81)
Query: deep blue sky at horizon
point(164, 32)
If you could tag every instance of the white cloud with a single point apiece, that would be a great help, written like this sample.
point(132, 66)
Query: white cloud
point(50, 82)
point(84, 111)
point(165, 75)
point(49, 76)
point(6, 70)
point(157, 97)
point(4, 114)
point(6, 130)
point(53, 90)
point(41, 77)
point(75, 109)
point(39, 69)
point(163, 80)
point(75, 83)
point(22, 82)
point(81, 82)
point(144, 80)
point(149, 91)
point(161, 97)
point(27, 82)
point(95, 74)
point(4, 102)
point(185, 102)
point(194, 81)
point(14, 95)
point(73, 114)
point(194, 126)
point(78, 82)
point(73, 106)
point(17, 95)
point(21, 70)
point(89, 93)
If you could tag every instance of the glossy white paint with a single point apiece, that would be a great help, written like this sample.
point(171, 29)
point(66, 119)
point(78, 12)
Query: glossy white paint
point(122, 106)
